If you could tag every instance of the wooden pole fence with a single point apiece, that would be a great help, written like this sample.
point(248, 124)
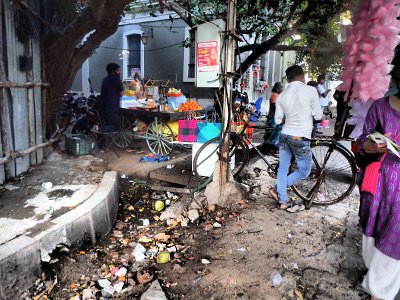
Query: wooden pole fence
point(29, 84)
point(14, 155)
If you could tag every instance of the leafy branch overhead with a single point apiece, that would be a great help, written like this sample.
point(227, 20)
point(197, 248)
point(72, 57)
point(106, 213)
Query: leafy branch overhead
point(73, 29)
point(264, 24)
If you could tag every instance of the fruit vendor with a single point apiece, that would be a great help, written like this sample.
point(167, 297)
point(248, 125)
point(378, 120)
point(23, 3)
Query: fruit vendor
point(111, 91)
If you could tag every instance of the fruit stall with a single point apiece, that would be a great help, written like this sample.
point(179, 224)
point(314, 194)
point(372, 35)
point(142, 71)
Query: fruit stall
point(153, 113)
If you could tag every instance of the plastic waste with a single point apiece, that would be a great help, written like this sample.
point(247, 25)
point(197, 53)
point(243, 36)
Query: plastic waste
point(277, 280)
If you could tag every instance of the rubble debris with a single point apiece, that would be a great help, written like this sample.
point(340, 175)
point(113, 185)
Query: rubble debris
point(175, 210)
point(144, 277)
point(154, 292)
point(193, 215)
point(11, 187)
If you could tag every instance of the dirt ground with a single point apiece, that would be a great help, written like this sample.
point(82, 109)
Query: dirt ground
point(259, 252)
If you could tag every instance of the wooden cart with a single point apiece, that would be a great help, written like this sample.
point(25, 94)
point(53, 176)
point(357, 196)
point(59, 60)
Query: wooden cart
point(159, 136)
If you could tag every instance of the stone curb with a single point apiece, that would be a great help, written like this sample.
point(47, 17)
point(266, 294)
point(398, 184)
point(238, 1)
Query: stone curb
point(20, 258)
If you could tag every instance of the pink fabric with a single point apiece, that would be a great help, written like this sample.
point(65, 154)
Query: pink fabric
point(371, 175)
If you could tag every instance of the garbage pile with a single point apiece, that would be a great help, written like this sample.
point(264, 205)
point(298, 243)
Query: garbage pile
point(149, 233)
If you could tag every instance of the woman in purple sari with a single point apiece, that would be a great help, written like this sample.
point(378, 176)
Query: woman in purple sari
point(380, 212)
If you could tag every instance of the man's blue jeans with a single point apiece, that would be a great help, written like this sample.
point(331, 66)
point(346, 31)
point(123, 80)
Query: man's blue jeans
point(300, 149)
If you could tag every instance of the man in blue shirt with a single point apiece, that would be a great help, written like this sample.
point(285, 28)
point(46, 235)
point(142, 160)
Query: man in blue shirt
point(111, 91)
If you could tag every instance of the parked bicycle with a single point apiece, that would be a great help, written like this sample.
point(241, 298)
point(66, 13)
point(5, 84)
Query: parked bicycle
point(333, 173)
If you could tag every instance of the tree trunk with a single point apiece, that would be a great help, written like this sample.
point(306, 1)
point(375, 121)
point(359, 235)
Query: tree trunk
point(63, 50)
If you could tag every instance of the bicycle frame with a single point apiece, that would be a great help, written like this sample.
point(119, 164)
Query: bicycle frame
point(242, 136)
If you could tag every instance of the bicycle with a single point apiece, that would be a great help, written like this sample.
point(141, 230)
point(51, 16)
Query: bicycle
point(333, 172)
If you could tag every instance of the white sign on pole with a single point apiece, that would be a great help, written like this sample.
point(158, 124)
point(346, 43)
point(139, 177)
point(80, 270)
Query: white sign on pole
point(208, 53)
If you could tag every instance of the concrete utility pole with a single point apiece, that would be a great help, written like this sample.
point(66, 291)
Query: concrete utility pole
point(224, 191)
point(229, 71)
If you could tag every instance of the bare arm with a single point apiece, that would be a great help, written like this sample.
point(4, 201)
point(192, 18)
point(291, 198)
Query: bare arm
point(316, 106)
point(278, 112)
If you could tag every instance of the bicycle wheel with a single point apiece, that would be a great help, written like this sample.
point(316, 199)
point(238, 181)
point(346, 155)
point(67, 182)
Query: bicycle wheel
point(332, 178)
point(208, 154)
point(124, 137)
point(159, 137)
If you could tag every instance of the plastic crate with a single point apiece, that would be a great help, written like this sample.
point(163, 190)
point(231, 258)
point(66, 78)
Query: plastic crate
point(79, 144)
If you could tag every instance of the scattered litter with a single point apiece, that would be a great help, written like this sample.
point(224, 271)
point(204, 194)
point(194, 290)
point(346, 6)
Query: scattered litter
point(167, 202)
point(277, 280)
point(163, 257)
point(162, 237)
point(139, 252)
point(159, 205)
point(197, 280)
point(109, 289)
point(154, 158)
point(152, 253)
point(121, 272)
point(146, 222)
point(145, 239)
point(242, 249)
point(295, 265)
point(118, 286)
point(11, 187)
point(118, 234)
point(170, 166)
point(172, 196)
point(123, 176)
point(312, 254)
point(88, 294)
point(300, 223)
point(299, 294)
point(103, 282)
point(171, 249)
point(217, 225)
point(205, 261)
point(47, 185)
point(289, 236)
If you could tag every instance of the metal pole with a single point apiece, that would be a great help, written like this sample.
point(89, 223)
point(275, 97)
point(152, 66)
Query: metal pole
point(229, 70)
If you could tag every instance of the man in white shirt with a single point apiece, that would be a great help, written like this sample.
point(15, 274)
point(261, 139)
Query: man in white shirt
point(323, 95)
point(296, 107)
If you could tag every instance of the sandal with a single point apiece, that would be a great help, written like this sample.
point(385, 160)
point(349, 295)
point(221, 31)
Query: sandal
point(295, 207)
point(285, 205)
point(273, 193)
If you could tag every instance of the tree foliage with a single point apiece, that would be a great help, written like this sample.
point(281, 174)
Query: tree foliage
point(325, 36)
point(263, 24)
point(73, 29)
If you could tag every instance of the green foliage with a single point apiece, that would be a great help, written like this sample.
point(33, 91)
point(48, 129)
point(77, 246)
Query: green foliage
point(315, 20)
point(323, 33)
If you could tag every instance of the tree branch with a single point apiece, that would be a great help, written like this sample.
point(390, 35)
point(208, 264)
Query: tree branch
point(181, 12)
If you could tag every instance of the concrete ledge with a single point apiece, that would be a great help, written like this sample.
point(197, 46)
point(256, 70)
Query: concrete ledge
point(20, 259)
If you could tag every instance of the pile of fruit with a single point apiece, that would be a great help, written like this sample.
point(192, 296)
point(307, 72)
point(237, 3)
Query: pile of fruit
point(172, 92)
point(130, 93)
point(189, 106)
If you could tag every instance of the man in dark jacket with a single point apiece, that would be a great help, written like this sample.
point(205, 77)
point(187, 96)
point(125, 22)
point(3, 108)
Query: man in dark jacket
point(111, 91)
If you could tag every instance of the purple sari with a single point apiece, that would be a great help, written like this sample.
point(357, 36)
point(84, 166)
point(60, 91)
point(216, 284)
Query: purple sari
point(380, 213)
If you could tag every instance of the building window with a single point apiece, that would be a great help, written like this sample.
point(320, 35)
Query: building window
point(133, 61)
point(189, 58)
point(134, 58)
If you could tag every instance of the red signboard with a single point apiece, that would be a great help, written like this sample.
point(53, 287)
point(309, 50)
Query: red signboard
point(207, 56)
